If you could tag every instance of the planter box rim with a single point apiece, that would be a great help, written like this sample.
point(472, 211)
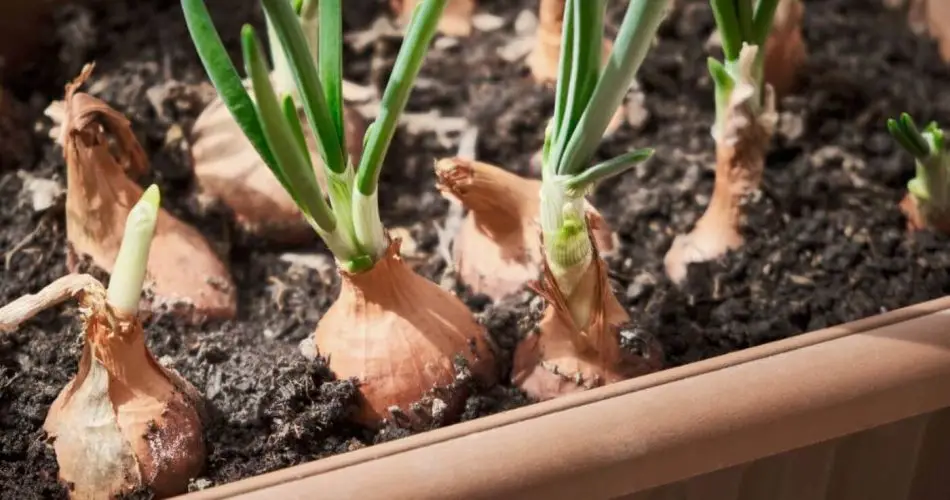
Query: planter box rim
point(747, 404)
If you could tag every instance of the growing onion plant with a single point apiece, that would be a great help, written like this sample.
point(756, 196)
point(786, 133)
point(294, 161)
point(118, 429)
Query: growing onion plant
point(396, 332)
point(124, 422)
point(745, 121)
point(519, 228)
point(927, 204)
point(578, 344)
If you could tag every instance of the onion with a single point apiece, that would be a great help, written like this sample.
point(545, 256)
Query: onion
point(785, 51)
point(401, 336)
point(564, 357)
point(742, 142)
point(187, 276)
point(124, 423)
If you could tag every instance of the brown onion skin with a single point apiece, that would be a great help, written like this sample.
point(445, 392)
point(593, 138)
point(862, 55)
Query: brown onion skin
point(125, 422)
point(185, 274)
point(399, 334)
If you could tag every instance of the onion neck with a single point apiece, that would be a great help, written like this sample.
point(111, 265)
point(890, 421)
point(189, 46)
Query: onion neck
point(567, 243)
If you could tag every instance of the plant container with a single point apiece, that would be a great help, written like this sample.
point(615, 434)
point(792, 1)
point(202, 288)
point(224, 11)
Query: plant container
point(857, 411)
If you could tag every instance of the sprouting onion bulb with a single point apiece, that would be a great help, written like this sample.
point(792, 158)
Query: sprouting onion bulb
point(586, 98)
point(124, 423)
point(745, 121)
point(102, 154)
point(390, 328)
point(578, 343)
point(928, 200)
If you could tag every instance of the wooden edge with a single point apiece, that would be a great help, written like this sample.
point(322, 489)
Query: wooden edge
point(655, 429)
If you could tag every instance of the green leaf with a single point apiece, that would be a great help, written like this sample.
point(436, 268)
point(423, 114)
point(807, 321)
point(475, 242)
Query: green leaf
point(913, 135)
point(744, 10)
point(727, 20)
point(587, 20)
point(721, 77)
point(295, 171)
point(565, 65)
point(636, 34)
point(419, 34)
point(608, 169)
point(224, 76)
point(289, 109)
point(287, 26)
point(330, 60)
point(762, 23)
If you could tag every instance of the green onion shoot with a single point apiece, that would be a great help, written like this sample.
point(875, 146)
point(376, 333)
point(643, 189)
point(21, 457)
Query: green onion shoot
point(928, 199)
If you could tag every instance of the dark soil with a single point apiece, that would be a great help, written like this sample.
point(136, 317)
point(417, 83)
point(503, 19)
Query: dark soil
point(826, 243)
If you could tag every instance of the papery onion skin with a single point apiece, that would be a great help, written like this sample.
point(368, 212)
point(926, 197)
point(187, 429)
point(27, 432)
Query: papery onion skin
point(563, 357)
point(124, 423)
point(399, 335)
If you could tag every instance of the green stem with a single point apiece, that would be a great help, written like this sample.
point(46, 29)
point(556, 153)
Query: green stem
point(293, 162)
point(330, 61)
point(419, 34)
point(128, 274)
point(636, 34)
point(762, 24)
point(225, 77)
point(586, 21)
point(727, 20)
point(295, 45)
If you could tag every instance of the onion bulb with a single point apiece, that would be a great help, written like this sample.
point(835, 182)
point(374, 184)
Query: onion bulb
point(497, 250)
point(125, 422)
point(785, 51)
point(401, 337)
point(743, 132)
point(186, 275)
point(563, 357)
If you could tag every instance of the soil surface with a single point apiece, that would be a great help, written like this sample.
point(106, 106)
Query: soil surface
point(826, 242)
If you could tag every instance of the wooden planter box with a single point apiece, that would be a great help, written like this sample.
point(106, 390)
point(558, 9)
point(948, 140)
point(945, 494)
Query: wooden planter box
point(858, 411)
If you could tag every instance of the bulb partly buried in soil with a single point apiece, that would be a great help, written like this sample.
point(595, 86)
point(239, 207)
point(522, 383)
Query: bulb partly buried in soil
point(125, 422)
point(186, 275)
point(742, 142)
point(229, 169)
point(562, 357)
point(497, 250)
point(456, 19)
point(401, 336)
